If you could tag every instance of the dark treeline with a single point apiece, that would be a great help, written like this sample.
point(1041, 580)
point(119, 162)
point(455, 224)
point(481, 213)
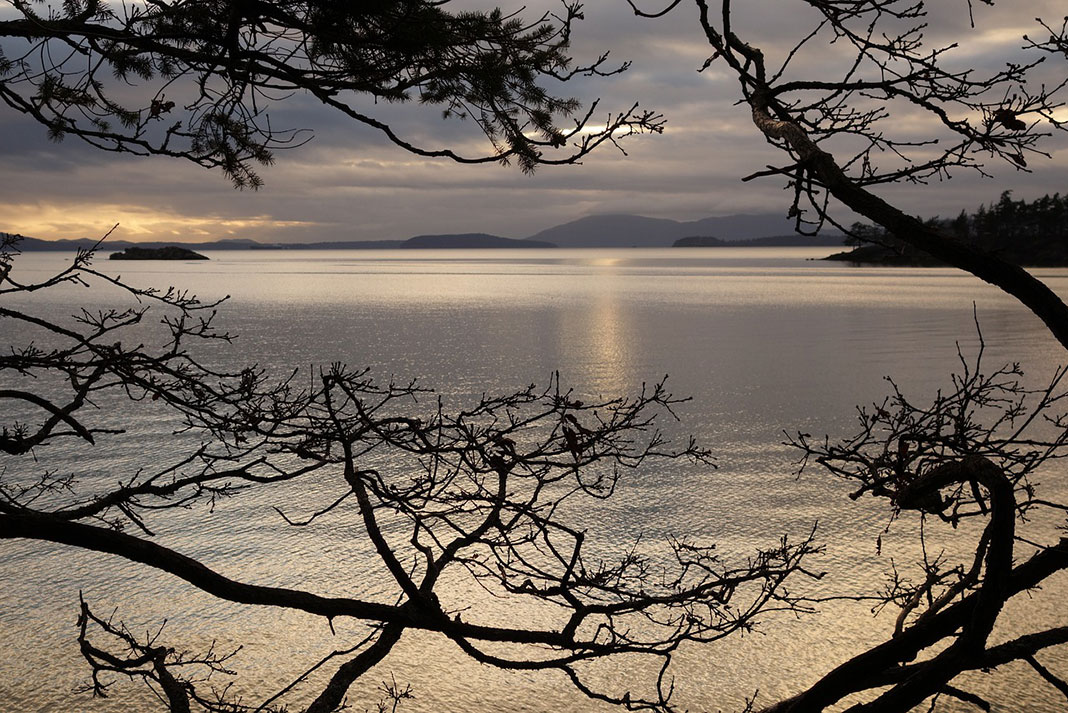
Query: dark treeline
point(1026, 233)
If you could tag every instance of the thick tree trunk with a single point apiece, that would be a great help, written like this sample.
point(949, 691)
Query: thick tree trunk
point(1013, 279)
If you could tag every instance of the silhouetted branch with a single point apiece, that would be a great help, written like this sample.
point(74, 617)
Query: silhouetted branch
point(970, 454)
point(73, 68)
point(999, 115)
point(477, 495)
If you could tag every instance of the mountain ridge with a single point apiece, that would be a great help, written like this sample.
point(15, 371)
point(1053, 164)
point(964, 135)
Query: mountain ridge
point(630, 230)
point(470, 240)
point(607, 230)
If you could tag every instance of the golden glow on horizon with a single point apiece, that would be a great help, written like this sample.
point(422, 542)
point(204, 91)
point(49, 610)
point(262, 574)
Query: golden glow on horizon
point(135, 223)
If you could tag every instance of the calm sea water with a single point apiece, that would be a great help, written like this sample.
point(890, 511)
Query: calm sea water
point(763, 339)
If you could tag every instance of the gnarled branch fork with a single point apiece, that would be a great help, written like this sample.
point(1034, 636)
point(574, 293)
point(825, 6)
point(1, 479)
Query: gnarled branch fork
point(970, 455)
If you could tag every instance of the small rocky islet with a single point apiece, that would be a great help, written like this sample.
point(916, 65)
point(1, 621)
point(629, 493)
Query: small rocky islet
point(169, 252)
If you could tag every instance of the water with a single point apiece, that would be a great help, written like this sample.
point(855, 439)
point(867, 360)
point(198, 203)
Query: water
point(763, 339)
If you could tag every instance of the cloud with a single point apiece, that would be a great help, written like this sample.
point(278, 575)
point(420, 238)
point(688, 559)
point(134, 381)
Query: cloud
point(350, 182)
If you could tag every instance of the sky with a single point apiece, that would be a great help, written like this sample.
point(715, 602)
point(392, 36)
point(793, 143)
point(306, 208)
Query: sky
point(350, 183)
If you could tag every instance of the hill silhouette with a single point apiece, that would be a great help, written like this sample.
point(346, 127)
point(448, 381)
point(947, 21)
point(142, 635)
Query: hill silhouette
point(471, 240)
point(624, 230)
point(620, 230)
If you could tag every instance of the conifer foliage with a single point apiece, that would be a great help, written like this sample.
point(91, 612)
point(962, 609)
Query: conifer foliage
point(198, 79)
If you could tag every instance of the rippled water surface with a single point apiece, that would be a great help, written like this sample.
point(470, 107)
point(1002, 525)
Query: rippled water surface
point(763, 339)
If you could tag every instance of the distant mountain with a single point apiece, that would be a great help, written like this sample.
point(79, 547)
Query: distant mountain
point(36, 244)
point(639, 231)
point(745, 226)
point(461, 240)
point(594, 231)
point(797, 241)
point(599, 231)
point(329, 245)
point(471, 240)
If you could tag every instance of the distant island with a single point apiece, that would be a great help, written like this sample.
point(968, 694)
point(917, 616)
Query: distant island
point(169, 252)
point(470, 241)
point(885, 256)
point(797, 241)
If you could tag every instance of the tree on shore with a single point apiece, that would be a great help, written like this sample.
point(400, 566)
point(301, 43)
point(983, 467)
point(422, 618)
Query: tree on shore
point(1024, 232)
point(483, 493)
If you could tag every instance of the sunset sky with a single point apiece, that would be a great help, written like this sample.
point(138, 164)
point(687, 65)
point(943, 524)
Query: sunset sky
point(349, 183)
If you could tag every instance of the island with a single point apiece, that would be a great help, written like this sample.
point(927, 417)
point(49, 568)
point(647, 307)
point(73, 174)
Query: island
point(169, 252)
point(470, 240)
point(829, 239)
point(886, 256)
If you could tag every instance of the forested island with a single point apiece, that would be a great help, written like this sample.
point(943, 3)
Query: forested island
point(1025, 233)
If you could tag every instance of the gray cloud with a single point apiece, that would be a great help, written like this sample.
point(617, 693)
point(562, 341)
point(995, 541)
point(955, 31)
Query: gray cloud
point(351, 183)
